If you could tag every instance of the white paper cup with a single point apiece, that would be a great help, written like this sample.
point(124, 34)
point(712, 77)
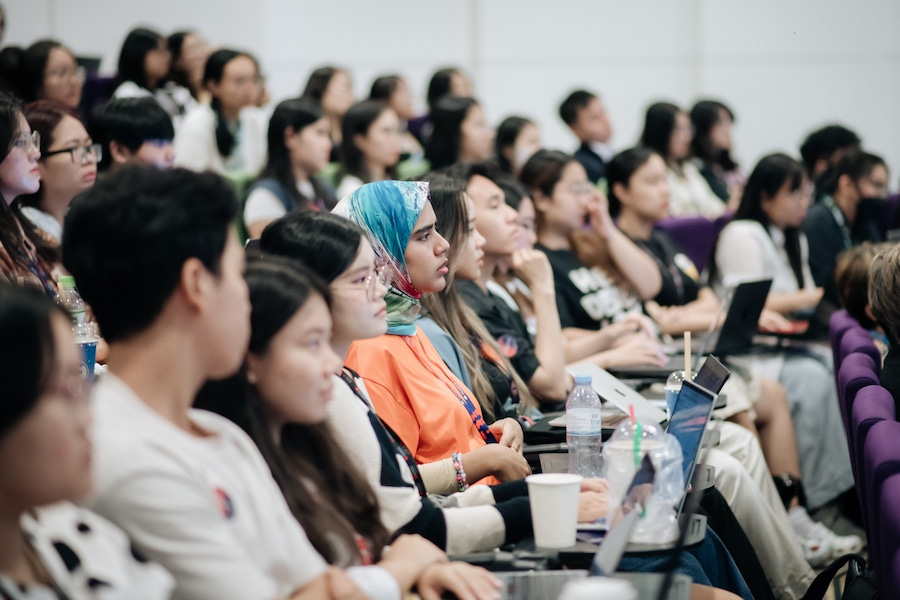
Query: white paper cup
point(599, 588)
point(554, 508)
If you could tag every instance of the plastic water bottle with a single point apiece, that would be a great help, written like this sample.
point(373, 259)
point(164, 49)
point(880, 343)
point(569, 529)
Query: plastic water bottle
point(71, 299)
point(583, 434)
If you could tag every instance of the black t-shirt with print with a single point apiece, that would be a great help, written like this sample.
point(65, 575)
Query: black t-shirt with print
point(585, 297)
point(503, 322)
point(679, 275)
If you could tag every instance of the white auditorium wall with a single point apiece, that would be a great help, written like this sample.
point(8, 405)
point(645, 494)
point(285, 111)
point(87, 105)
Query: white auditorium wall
point(785, 67)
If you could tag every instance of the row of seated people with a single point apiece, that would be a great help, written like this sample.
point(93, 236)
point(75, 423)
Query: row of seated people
point(85, 159)
point(258, 500)
point(557, 224)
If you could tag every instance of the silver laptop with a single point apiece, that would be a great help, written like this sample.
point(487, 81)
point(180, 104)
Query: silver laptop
point(611, 389)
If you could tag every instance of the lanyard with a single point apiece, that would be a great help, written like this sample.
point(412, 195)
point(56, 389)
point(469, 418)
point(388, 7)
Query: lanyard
point(840, 220)
point(349, 376)
point(34, 266)
point(447, 379)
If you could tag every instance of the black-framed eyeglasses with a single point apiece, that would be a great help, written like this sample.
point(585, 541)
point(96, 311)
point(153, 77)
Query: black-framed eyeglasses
point(80, 154)
point(380, 274)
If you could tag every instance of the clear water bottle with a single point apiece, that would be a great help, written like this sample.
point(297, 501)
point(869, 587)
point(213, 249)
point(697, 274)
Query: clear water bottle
point(583, 434)
point(71, 299)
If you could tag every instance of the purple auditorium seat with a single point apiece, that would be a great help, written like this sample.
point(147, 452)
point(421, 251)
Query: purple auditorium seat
point(859, 341)
point(695, 236)
point(881, 460)
point(839, 324)
point(856, 372)
point(873, 404)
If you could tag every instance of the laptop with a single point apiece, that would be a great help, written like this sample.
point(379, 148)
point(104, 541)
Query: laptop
point(711, 375)
point(690, 414)
point(541, 585)
point(734, 337)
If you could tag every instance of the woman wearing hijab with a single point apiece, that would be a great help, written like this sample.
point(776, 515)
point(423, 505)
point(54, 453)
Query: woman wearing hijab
point(432, 411)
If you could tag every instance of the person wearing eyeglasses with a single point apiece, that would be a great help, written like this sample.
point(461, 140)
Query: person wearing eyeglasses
point(68, 164)
point(27, 256)
point(47, 70)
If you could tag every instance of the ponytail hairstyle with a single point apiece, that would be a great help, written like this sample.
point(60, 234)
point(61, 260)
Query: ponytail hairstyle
point(340, 503)
point(768, 177)
point(450, 311)
point(213, 71)
point(620, 169)
point(11, 217)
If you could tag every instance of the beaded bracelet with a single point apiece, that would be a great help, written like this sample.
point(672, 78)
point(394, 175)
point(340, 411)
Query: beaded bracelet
point(461, 482)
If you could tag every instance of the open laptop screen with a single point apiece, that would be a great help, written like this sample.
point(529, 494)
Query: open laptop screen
point(689, 417)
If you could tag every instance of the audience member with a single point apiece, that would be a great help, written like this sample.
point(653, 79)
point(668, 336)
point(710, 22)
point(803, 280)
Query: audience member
point(135, 131)
point(371, 148)
point(299, 146)
point(279, 399)
point(847, 213)
point(144, 65)
point(851, 278)
point(517, 138)
point(47, 70)
point(68, 164)
point(394, 90)
point(460, 133)
point(884, 289)
point(764, 241)
point(668, 131)
point(586, 117)
point(189, 52)
point(500, 390)
point(332, 88)
point(27, 255)
point(711, 149)
point(447, 81)
point(228, 134)
point(824, 147)
point(52, 548)
point(410, 386)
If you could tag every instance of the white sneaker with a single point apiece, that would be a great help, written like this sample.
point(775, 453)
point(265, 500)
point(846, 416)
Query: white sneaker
point(840, 544)
point(816, 550)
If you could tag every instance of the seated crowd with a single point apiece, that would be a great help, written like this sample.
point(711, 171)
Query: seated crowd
point(337, 409)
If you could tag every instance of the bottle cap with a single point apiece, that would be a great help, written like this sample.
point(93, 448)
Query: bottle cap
point(582, 380)
point(66, 281)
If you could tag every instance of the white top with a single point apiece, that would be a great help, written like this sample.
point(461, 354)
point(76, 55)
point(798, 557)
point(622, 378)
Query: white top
point(348, 185)
point(43, 221)
point(206, 508)
point(691, 196)
point(95, 549)
point(264, 206)
point(746, 252)
point(195, 142)
point(473, 524)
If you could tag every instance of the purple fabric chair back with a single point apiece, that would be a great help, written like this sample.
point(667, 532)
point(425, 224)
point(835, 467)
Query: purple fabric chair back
point(859, 341)
point(856, 372)
point(881, 459)
point(889, 214)
point(839, 324)
point(695, 236)
point(873, 404)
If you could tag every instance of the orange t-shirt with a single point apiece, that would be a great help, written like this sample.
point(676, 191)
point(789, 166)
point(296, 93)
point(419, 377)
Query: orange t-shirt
point(416, 397)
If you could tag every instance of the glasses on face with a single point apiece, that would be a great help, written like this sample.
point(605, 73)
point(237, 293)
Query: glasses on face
point(77, 73)
point(581, 189)
point(28, 142)
point(379, 274)
point(80, 154)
